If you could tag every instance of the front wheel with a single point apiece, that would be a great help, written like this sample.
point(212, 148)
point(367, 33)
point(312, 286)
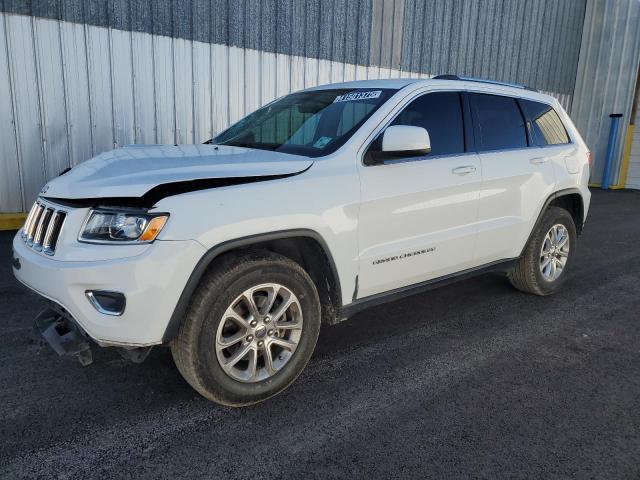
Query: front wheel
point(542, 269)
point(250, 330)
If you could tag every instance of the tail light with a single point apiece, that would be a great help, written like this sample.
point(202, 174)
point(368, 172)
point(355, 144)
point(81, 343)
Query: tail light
point(589, 158)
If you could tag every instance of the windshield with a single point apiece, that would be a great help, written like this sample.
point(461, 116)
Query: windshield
point(313, 124)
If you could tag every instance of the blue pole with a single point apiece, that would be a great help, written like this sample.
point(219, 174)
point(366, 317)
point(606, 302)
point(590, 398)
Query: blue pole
point(611, 148)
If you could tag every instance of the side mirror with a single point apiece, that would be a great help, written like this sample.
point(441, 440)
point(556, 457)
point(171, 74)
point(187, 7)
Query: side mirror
point(399, 141)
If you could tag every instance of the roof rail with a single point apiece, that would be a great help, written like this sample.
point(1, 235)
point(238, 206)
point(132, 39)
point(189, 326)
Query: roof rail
point(481, 80)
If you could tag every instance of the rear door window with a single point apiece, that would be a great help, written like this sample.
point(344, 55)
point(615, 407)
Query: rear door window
point(441, 115)
point(500, 124)
point(546, 126)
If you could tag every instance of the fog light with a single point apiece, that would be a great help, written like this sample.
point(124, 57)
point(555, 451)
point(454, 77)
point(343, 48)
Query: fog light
point(108, 303)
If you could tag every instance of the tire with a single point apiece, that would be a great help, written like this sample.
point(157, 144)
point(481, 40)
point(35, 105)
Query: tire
point(528, 275)
point(219, 306)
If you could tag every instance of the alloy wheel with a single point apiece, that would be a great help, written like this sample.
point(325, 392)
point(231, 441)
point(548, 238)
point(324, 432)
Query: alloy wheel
point(554, 252)
point(259, 333)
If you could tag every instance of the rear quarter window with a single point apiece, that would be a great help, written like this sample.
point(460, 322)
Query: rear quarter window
point(545, 124)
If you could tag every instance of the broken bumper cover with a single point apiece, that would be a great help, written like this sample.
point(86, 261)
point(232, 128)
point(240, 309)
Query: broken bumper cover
point(67, 338)
point(64, 335)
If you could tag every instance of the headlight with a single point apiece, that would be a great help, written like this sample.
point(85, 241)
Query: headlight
point(106, 226)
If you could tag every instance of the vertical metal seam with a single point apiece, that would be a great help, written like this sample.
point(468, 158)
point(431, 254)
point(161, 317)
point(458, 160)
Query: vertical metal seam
point(153, 71)
point(228, 61)
point(89, 95)
point(261, 50)
point(36, 64)
point(290, 55)
point(113, 107)
point(211, 70)
point(173, 76)
point(64, 90)
point(331, 38)
point(13, 114)
point(451, 37)
point(579, 47)
point(193, 76)
point(133, 77)
point(357, 37)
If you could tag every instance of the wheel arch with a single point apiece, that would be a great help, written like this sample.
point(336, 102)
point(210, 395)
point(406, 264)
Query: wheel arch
point(569, 199)
point(306, 247)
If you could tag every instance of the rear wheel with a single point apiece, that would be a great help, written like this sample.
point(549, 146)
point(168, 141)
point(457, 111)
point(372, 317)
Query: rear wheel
point(250, 329)
point(542, 269)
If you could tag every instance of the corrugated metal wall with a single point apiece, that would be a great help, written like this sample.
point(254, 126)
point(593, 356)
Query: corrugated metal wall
point(606, 77)
point(78, 77)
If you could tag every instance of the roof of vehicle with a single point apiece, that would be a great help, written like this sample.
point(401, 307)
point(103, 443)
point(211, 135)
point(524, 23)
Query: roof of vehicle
point(461, 84)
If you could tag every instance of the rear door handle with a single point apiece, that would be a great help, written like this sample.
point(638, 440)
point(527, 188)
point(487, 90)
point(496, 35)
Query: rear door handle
point(465, 170)
point(538, 160)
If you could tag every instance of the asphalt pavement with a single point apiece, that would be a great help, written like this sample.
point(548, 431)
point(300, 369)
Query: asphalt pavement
point(474, 380)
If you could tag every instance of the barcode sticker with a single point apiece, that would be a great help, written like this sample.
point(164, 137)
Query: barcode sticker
point(351, 97)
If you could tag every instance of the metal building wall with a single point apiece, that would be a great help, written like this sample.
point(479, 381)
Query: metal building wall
point(78, 77)
point(606, 77)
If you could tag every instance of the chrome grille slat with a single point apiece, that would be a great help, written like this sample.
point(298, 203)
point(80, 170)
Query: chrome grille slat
point(34, 224)
point(43, 226)
point(46, 242)
point(27, 223)
point(51, 239)
point(45, 219)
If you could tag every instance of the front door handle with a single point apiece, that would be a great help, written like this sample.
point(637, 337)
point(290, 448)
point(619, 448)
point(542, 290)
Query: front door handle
point(464, 170)
point(538, 160)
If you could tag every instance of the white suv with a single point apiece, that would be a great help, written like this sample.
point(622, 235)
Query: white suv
point(316, 206)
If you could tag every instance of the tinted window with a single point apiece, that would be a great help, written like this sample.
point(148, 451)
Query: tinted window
point(545, 123)
point(500, 122)
point(441, 115)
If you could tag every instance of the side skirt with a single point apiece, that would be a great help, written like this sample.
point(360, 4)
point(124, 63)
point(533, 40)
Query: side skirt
point(348, 311)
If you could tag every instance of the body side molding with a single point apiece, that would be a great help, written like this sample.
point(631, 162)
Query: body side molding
point(402, 292)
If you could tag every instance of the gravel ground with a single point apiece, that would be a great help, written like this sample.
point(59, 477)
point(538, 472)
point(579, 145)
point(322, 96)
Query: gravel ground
point(472, 380)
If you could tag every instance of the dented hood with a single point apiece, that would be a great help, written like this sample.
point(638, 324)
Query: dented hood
point(140, 170)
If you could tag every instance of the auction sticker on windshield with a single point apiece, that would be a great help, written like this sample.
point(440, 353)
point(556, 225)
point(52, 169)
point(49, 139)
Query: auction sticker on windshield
point(350, 97)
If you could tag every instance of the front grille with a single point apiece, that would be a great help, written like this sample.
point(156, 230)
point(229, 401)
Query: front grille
point(42, 227)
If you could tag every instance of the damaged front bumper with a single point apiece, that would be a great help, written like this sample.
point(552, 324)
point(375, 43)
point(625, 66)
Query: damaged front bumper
point(68, 339)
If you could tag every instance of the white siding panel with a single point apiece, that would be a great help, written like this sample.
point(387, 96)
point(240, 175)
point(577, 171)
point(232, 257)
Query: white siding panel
point(252, 88)
point(361, 72)
point(164, 92)
point(52, 106)
point(100, 97)
point(122, 81)
point(183, 85)
point(26, 104)
point(337, 72)
point(310, 72)
point(220, 87)
point(10, 188)
point(143, 87)
point(269, 76)
point(74, 65)
point(324, 72)
point(236, 84)
point(202, 121)
point(283, 80)
point(349, 72)
point(297, 73)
